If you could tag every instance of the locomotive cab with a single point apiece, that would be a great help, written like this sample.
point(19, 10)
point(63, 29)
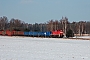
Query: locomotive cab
point(57, 34)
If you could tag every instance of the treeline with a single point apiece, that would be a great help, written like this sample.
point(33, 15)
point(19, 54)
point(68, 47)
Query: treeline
point(81, 27)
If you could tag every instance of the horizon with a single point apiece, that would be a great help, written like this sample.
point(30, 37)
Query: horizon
point(38, 11)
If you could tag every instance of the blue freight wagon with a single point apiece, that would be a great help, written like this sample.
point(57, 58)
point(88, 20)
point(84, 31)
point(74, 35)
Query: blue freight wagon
point(38, 34)
point(47, 34)
point(26, 33)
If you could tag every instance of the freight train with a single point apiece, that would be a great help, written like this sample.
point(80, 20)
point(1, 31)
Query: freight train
point(55, 34)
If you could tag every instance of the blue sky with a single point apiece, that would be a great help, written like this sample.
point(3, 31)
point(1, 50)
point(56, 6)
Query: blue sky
point(40, 11)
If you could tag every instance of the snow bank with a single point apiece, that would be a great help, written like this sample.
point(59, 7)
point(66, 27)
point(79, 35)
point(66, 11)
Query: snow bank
point(82, 37)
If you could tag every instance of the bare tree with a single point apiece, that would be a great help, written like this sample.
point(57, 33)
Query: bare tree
point(64, 21)
point(3, 23)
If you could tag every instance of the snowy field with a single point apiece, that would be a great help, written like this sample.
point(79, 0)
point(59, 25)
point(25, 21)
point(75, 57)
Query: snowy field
point(27, 48)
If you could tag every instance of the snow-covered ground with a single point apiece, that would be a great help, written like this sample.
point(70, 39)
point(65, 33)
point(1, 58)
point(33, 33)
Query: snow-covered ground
point(82, 37)
point(27, 48)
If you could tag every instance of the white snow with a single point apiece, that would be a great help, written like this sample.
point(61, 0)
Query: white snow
point(28, 48)
point(82, 37)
